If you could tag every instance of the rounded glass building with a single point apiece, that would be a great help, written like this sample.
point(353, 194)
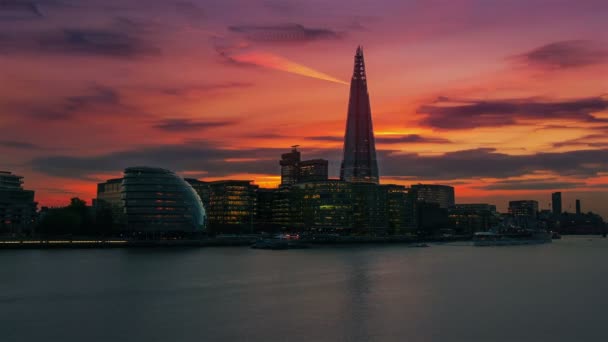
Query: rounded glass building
point(158, 200)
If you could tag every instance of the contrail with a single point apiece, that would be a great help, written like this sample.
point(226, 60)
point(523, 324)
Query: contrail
point(272, 61)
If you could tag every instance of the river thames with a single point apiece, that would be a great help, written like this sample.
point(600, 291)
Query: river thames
point(448, 292)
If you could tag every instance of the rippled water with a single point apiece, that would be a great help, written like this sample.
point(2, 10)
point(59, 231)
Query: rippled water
point(554, 292)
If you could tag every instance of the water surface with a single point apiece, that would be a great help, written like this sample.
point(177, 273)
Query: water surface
point(452, 292)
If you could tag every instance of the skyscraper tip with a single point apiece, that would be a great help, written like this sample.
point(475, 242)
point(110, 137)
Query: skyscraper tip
point(359, 50)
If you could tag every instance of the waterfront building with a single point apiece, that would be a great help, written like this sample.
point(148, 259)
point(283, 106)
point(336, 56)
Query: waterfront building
point(556, 203)
point(578, 207)
point(264, 216)
point(109, 203)
point(471, 218)
point(523, 208)
point(443, 195)
point(202, 188)
point(369, 209)
point(232, 206)
point(325, 206)
point(158, 200)
point(289, 166)
point(313, 170)
point(17, 205)
point(359, 164)
point(396, 202)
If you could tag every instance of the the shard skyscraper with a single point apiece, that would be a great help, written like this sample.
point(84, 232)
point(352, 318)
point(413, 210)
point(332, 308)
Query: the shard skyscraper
point(359, 164)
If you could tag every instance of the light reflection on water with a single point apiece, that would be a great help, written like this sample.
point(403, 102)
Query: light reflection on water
point(450, 292)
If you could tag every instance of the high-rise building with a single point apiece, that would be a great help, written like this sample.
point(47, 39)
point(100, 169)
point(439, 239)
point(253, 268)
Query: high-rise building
point(289, 166)
point(359, 164)
point(556, 203)
point(578, 207)
point(17, 206)
point(313, 170)
point(523, 208)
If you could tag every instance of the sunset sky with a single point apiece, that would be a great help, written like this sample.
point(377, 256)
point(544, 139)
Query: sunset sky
point(504, 100)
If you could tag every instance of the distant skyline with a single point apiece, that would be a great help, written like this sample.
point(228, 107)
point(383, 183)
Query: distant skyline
point(504, 100)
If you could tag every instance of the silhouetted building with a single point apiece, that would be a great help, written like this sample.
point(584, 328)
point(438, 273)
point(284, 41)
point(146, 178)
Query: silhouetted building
point(109, 199)
point(556, 203)
point(443, 195)
point(369, 209)
point(202, 188)
point(431, 218)
point(313, 170)
point(325, 206)
point(578, 207)
point(471, 218)
point(232, 206)
point(396, 208)
point(359, 164)
point(523, 208)
point(264, 216)
point(289, 166)
point(158, 200)
point(17, 206)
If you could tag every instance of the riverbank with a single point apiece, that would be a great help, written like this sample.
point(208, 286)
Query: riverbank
point(212, 242)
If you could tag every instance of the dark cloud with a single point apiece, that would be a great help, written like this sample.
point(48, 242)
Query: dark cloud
point(284, 33)
point(71, 105)
point(487, 163)
point(456, 114)
point(204, 156)
point(330, 138)
point(68, 107)
point(78, 42)
point(19, 10)
point(566, 54)
point(544, 184)
point(187, 125)
point(199, 156)
point(410, 139)
point(182, 91)
point(18, 145)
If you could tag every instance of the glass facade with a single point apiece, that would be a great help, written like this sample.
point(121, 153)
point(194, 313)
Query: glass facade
point(443, 195)
point(359, 164)
point(159, 200)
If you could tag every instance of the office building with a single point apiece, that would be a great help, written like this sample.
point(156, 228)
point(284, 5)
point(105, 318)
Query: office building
point(443, 195)
point(289, 166)
point(232, 206)
point(313, 170)
point(578, 207)
point(158, 200)
point(359, 164)
point(471, 218)
point(523, 208)
point(17, 205)
point(556, 203)
point(325, 206)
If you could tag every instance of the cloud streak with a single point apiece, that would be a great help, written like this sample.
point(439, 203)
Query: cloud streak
point(188, 125)
point(78, 42)
point(286, 33)
point(565, 54)
point(446, 113)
